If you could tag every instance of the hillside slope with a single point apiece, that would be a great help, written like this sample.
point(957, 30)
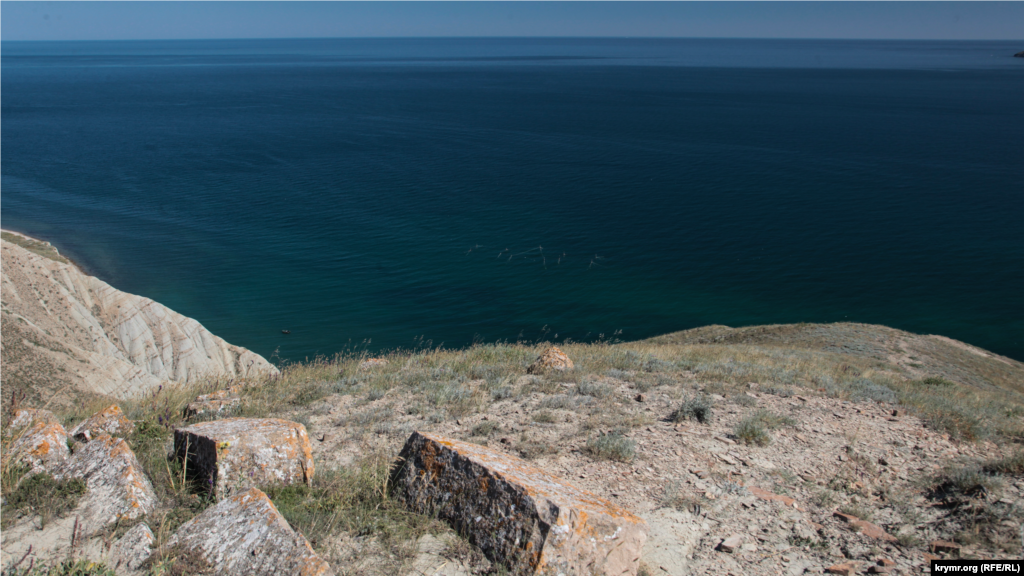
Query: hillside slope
point(916, 355)
point(67, 334)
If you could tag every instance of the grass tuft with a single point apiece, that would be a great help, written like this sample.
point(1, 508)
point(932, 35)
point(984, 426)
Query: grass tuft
point(696, 408)
point(43, 495)
point(751, 431)
point(612, 446)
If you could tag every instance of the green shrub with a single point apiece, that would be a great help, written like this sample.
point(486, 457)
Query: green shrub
point(957, 482)
point(772, 420)
point(1012, 465)
point(751, 431)
point(612, 446)
point(485, 428)
point(544, 416)
point(696, 408)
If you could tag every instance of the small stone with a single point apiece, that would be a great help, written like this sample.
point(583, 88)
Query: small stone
point(245, 534)
point(882, 566)
point(845, 569)
point(766, 495)
point(898, 412)
point(882, 460)
point(944, 547)
point(110, 420)
point(234, 454)
point(866, 528)
point(37, 440)
point(551, 359)
point(731, 544)
point(641, 398)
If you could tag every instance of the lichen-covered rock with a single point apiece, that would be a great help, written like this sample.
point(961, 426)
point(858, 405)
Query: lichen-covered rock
point(517, 514)
point(110, 421)
point(245, 534)
point(551, 359)
point(132, 550)
point(37, 440)
point(214, 403)
point(117, 486)
point(234, 454)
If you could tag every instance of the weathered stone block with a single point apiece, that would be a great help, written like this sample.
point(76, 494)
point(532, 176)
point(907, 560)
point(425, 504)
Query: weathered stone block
point(517, 514)
point(214, 403)
point(245, 534)
point(110, 420)
point(132, 550)
point(38, 440)
point(232, 455)
point(117, 485)
point(551, 359)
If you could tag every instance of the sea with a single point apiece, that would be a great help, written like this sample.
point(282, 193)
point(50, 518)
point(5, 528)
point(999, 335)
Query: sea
point(375, 194)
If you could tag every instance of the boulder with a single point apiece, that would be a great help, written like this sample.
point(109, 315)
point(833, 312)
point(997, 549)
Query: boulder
point(214, 403)
point(517, 514)
point(117, 486)
point(232, 455)
point(37, 440)
point(132, 550)
point(551, 359)
point(109, 421)
point(245, 534)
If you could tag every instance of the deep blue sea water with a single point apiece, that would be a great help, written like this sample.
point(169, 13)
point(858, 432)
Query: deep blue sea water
point(487, 189)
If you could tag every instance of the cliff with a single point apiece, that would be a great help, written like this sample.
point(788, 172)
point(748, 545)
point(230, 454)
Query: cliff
point(68, 334)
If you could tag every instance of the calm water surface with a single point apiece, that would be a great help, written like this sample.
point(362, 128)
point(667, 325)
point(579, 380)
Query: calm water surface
point(461, 190)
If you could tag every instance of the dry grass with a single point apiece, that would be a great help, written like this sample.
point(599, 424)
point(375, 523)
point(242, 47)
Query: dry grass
point(444, 385)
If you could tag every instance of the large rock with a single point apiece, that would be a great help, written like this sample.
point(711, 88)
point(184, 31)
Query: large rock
point(128, 554)
point(517, 514)
point(65, 330)
point(37, 440)
point(234, 454)
point(110, 421)
point(216, 403)
point(552, 359)
point(117, 486)
point(245, 534)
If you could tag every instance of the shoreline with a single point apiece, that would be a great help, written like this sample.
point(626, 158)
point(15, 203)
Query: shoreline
point(60, 256)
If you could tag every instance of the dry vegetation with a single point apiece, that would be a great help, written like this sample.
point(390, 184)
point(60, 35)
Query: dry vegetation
point(360, 417)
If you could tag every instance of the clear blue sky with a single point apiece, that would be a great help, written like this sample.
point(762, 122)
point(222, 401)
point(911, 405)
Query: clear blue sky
point(181, 20)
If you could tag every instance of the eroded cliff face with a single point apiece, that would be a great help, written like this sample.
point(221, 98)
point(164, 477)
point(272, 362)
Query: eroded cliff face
point(66, 333)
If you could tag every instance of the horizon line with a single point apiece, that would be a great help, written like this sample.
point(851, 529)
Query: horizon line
point(522, 38)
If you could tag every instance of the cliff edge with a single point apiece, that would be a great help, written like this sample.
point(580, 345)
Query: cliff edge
point(67, 334)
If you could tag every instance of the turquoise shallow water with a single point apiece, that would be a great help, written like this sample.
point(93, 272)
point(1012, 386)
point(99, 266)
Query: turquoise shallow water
point(374, 192)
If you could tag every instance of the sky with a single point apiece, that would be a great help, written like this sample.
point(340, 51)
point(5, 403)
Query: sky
point(195, 20)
